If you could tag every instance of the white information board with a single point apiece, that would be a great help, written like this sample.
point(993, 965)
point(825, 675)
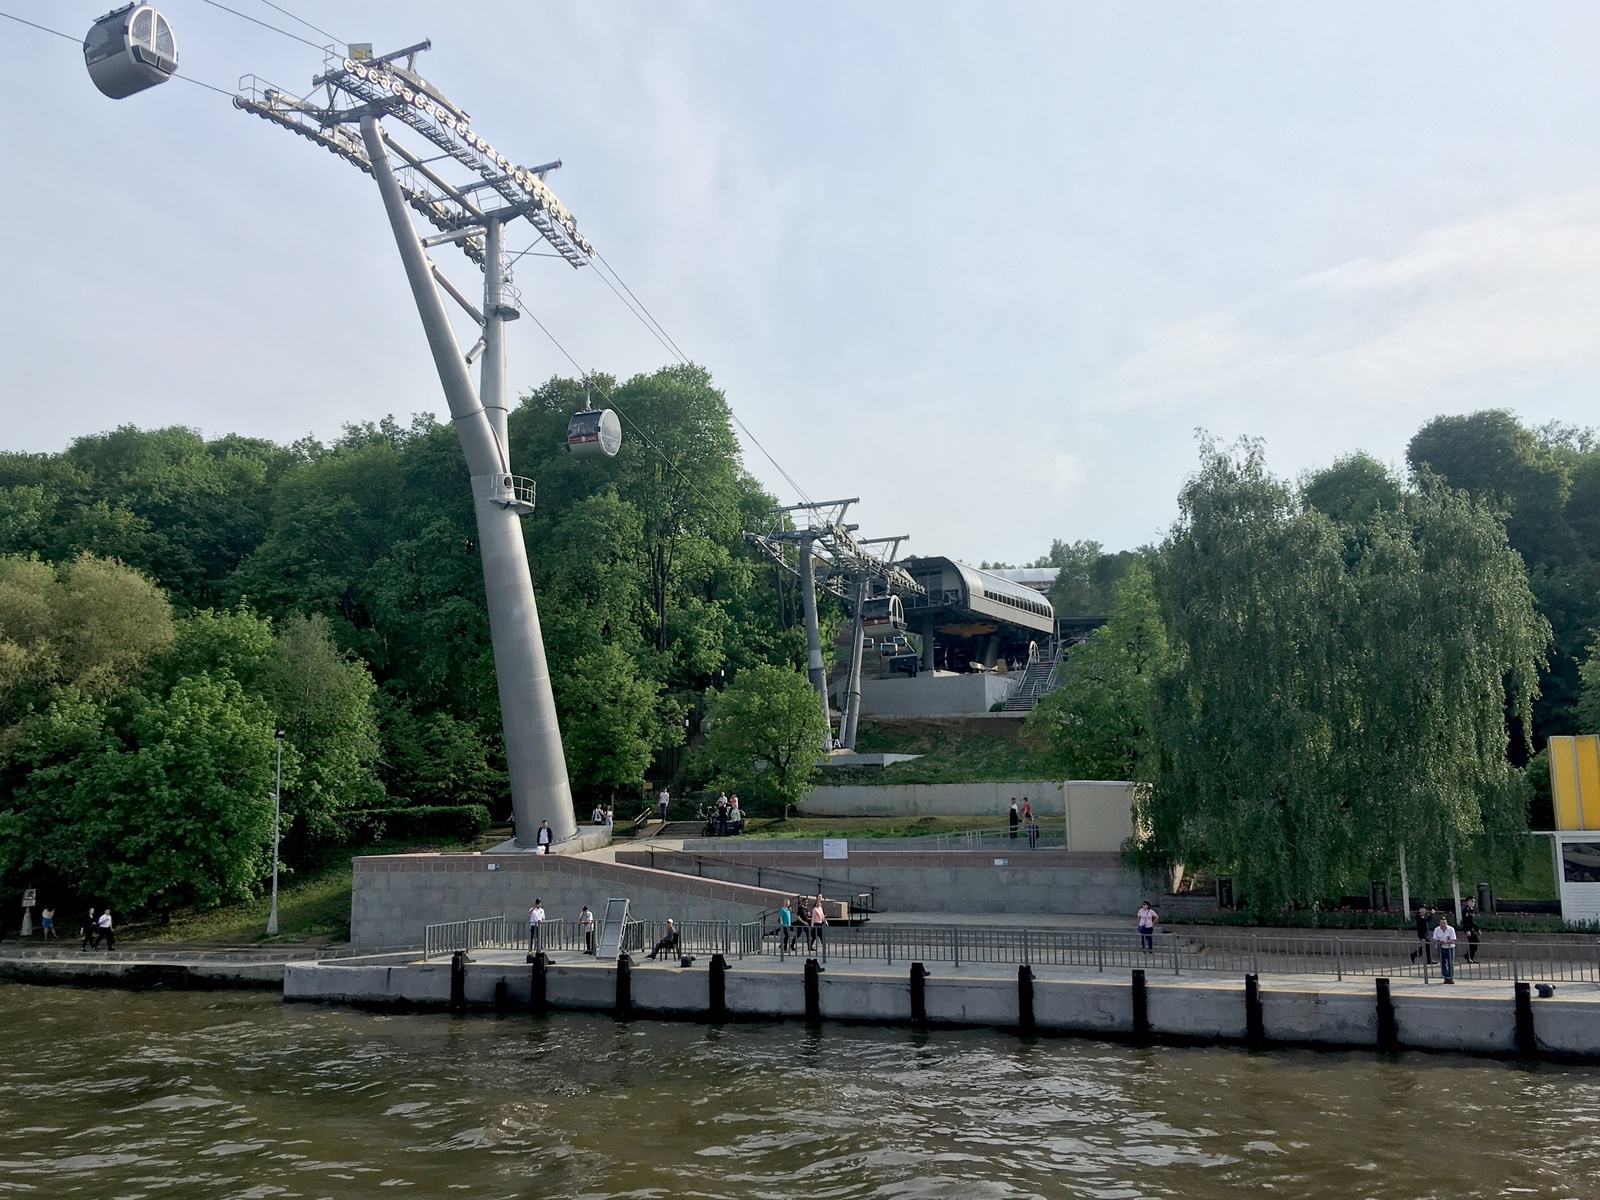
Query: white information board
point(833, 848)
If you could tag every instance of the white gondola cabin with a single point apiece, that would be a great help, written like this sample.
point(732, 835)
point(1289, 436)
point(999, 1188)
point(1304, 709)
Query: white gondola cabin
point(130, 49)
point(884, 612)
point(594, 433)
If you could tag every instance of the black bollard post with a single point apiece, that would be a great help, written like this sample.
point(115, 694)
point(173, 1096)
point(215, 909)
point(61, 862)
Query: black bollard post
point(919, 993)
point(719, 988)
point(502, 996)
point(1255, 1033)
point(1141, 1007)
point(1388, 1031)
point(458, 981)
point(1025, 998)
point(1527, 1044)
point(624, 986)
point(536, 984)
point(813, 990)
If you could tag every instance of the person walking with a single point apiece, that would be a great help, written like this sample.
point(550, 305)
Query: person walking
point(91, 931)
point(735, 815)
point(47, 922)
point(536, 926)
point(723, 809)
point(787, 934)
point(1147, 918)
point(1030, 825)
point(544, 839)
point(106, 931)
point(586, 927)
point(661, 804)
point(1422, 922)
point(1014, 818)
point(1445, 938)
point(1469, 926)
point(819, 926)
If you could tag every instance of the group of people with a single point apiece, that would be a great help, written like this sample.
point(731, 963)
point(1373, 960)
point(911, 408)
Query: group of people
point(726, 816)
point(603, 815)
point(1022, 818)
point(97, 927)
point(805, 917)
point(536, 919)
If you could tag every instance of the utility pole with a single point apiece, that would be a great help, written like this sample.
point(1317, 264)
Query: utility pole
point(471, 210)
point(277, 813)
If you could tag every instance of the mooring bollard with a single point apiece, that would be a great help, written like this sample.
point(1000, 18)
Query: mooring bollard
point(1388, 1031)
point(502, 996)
point(1255, 1033)
point(719, 988)
point(458, 981)
point(536, 984)
point(1141, 1007)
point(1025, 998)
point(919, 993)
point(624, 1006)
point(1527, 1044)
point(813, 990)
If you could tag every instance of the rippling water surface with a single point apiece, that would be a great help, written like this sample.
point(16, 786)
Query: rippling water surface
point(112, 1094)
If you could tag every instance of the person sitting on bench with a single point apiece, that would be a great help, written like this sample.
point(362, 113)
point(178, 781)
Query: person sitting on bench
point(668, 945)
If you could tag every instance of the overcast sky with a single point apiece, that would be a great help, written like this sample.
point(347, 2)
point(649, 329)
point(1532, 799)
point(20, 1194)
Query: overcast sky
point(986, 266)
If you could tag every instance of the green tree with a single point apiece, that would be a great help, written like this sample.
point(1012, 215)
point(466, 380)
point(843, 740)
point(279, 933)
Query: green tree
point(1097, 724)
point(1321, 712)
point(765, 734)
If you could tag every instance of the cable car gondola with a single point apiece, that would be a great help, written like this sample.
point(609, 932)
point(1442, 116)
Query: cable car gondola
point(130, 49)
point(594, 433)
point(884, 612)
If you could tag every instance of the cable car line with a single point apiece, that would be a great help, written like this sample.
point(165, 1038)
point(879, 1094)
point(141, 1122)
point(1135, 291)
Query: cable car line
point(303, 21)
point(640, 303)
point(41, 28)
point(264, 25)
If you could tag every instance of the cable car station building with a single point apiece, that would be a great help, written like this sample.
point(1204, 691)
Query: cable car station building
point(977, 633)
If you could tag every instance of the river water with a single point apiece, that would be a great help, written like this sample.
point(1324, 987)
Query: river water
point(115, 1094)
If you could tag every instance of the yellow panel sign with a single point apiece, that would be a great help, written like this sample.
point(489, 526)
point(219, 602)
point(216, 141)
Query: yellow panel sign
point(1575, 781)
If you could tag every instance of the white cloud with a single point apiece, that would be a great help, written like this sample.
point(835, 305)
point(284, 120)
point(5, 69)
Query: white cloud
point(1510, 293)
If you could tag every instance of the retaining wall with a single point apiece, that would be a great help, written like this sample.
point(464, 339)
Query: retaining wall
point(1309, 1013)
point(394, 896)
point(1012, 880)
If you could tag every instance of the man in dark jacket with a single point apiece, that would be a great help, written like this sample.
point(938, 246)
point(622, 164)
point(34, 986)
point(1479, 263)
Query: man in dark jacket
point(1469, 926)
point(1424, 934)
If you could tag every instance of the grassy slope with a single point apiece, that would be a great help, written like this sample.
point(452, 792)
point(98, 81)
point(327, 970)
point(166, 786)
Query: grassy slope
point(313, 905)
point(981, 751)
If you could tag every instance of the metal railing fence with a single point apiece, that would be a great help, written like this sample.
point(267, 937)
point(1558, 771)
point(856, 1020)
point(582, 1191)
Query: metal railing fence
point(1224, 953)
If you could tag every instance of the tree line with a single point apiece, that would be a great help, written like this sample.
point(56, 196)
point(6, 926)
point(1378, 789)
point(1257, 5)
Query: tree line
point(1309, 679)
point(169, 602)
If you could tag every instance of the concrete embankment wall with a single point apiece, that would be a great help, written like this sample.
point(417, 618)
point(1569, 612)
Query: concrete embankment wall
point(395, 896)
point(135, 975)
point(1291, 1012)
point(1013, 881)
point(1099, 814)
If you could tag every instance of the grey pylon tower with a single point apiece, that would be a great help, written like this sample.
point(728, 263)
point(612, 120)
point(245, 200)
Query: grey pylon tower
point(472, 213)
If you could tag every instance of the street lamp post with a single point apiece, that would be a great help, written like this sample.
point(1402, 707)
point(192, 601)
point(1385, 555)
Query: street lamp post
point(277, 808)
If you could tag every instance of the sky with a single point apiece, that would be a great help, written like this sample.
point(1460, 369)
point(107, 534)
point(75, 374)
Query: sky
point(988, 267)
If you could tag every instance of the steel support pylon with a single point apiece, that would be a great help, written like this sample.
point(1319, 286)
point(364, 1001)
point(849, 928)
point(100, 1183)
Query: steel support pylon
point(852, 704)
point(808, 604)
point(535, 761)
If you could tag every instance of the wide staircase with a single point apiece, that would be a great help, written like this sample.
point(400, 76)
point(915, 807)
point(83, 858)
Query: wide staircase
point(1040, 679)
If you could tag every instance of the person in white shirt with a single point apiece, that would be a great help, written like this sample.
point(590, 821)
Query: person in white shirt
point(1147, 918)
point(544, 838)
point(661, 802)
point(598, 816)
point(105, 929)
point(586, 927)
point(535, 921)
point(1445, 938)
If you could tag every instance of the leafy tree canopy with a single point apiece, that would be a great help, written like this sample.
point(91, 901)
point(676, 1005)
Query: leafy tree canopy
point(766, 734)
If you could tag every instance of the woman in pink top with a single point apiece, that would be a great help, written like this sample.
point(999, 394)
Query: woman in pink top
point(1147, 926)
point(819, 925)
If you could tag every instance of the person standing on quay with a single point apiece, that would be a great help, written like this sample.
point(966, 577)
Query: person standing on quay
point(586, 926)
point(661, 803)
point(1147, 918)
point(535, 923)
point(1469, 926)
point(1030, 824)
point(1446, 939)
point(91, 931)
point(106, 931)
point(1426, 949)
point(787, 935)
point(543, 839)
point(47, 922)
point(1014, 818)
